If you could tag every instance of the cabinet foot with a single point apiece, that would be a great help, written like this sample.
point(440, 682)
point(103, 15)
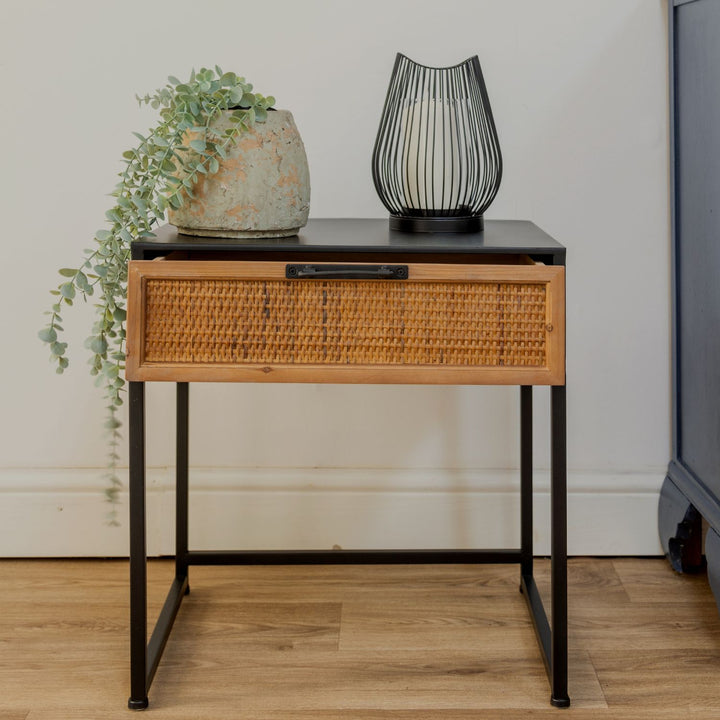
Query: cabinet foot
point(712, 553)
point(680, 528)
point(138, 704)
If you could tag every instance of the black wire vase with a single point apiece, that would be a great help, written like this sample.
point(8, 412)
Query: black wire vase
point(437, 164)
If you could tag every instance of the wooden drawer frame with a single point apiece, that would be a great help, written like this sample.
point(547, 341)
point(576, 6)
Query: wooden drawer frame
point(144, 277)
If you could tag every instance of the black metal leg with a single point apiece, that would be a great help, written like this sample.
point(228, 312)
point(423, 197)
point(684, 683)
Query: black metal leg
point(145, 657)
point(138, 557)
point(181, 484)
point(526, 481)
point(558, 490)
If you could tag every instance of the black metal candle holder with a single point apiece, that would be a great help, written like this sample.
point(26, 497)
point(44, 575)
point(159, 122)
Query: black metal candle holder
point(437, 164)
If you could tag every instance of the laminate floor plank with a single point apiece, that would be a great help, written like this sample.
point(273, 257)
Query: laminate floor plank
point(386, 680)
point(427, 623)
point(630, 598)
point(588, 579)
point(685, 679)
point(447, 642)
point(343, 582)
point(248, 626)
point(652, 580)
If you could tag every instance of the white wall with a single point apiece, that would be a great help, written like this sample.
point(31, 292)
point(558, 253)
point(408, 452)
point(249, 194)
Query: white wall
point(578, 90)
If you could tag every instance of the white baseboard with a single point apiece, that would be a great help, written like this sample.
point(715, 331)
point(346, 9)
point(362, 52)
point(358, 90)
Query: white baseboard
point(62, 512)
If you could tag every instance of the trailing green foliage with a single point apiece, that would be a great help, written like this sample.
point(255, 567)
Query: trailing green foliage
point(149, 185)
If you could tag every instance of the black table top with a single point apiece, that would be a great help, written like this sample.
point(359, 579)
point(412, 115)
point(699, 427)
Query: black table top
point(348, 236)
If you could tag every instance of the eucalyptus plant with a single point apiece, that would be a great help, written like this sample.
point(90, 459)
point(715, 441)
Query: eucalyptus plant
point(159, 172)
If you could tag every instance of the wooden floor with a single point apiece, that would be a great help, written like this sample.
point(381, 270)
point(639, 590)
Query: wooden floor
point(359, 643)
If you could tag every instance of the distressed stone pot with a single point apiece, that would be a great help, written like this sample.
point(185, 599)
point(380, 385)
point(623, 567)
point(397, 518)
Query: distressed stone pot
point(262, 188)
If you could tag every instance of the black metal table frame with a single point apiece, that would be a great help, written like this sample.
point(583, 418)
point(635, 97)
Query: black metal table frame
point(145, 656)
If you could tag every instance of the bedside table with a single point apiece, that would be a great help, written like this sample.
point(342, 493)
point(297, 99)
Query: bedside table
point(348, 301)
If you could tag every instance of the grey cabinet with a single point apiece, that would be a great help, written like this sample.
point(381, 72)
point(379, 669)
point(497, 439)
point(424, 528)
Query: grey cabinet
point(691, 490)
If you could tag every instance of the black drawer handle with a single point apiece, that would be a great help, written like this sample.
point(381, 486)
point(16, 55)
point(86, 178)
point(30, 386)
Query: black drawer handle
point(347, 272)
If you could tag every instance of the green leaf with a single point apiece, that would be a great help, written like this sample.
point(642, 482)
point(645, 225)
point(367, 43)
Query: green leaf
point(248, 100)
point(98, 345)
point(67, 272)
point(48, 335)
point(82, 282)
point(213, 165)
point(173, 80)
point(67, 290)
point(198, 145)
point(260, 114)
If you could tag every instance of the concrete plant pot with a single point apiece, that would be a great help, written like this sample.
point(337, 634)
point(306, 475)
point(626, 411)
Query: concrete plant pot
point(262, 188)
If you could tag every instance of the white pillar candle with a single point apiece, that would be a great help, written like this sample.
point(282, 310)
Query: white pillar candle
point(430, 157)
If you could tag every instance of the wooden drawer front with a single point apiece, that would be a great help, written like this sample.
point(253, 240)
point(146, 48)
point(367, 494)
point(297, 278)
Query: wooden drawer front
point(444, 324)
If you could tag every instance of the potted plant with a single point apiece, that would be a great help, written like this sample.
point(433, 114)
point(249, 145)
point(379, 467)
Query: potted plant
point(160, 173)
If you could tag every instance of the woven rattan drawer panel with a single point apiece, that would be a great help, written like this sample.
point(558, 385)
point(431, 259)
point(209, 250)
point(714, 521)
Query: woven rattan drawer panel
point(245, 321)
